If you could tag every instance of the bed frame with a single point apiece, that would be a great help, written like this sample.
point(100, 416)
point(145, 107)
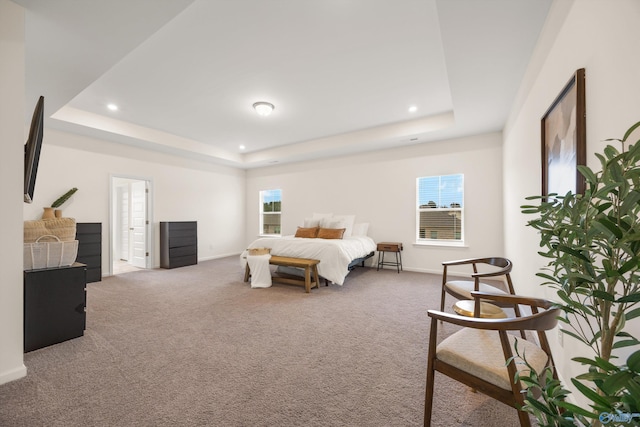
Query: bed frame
point(353, 264)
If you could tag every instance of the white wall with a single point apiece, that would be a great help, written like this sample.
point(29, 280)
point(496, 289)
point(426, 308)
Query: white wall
point(380, 188)
point(183, 190)
point(12, 137)
point(603, 37)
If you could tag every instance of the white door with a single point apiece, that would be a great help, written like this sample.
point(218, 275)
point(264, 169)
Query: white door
point(138, 224)
point(123, 192)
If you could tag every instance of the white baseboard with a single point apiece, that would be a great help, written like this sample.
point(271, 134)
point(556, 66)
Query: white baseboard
point(417, 270)
point(13, 375)
point(209, 258)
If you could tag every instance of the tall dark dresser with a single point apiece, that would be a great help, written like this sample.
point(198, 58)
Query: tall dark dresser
point(178, 243)
point(89, 236)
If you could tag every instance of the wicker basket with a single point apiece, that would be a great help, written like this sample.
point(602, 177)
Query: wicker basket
point(259, 251)
point(49, 254)
point(63, 228)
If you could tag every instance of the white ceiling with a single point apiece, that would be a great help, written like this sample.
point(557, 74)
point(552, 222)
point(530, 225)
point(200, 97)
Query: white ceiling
point(342, 74)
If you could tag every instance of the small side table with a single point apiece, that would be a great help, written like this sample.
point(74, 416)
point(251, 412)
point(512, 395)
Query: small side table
point(487, 310)
point(396, 248)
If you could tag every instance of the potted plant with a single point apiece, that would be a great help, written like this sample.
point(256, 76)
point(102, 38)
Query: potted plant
point(60, 201)
point(592, 243)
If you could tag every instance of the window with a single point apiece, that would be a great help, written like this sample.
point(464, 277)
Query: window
point(440, 208)
point(270, 212)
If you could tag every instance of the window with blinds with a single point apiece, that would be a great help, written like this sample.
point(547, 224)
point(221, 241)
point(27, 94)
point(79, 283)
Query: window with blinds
point(440, 208)
point(270, 212)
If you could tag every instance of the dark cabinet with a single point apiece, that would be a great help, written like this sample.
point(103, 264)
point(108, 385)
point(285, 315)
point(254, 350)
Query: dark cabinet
point(178, 244)
point(89, 236)
point(54, 305)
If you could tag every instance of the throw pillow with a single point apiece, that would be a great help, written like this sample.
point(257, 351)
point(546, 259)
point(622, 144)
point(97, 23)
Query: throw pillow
point(330, 233)
point(308, 233)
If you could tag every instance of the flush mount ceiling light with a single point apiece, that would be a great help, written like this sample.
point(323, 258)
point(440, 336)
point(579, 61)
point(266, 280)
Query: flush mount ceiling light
point(263, 108)
point(112, 107)
point(413, 109)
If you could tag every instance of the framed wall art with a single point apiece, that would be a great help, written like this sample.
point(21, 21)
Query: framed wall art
point(564, 140)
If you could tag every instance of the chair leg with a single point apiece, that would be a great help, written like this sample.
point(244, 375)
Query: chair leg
point(428, 399)
point(444, 280)
point(524, 419)
point(428, 396)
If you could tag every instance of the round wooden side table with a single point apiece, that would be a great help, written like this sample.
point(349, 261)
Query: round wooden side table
point(487, 310)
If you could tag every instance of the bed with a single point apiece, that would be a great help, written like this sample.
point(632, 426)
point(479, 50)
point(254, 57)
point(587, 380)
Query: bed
point(337, 256)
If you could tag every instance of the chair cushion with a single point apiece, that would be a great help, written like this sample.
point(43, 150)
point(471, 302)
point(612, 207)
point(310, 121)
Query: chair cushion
point(464, 288)
point(479, 353)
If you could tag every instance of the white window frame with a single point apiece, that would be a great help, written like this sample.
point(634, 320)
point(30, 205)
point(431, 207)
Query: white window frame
point(262, 195)
point(427, 239)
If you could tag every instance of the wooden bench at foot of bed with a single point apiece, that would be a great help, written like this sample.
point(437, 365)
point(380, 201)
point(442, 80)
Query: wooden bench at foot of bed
point(310, 266)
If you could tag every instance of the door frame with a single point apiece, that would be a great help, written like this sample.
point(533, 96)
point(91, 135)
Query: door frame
point(113, 217)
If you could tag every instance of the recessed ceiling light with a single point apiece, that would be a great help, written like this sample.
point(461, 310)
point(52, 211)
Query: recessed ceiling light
point(242, 147)
point(413, 109)
point(263, 108)
point(112, 107)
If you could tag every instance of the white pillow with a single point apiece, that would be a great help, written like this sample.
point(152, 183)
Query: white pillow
point(321, 215)
point(311, 222)
point(348, 221)
point(360, 229)
point(333, 223)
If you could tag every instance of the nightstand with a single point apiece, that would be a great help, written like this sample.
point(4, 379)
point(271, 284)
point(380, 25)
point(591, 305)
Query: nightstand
point(394, 247)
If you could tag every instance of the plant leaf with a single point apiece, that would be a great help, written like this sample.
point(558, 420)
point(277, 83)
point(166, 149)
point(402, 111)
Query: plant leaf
point(632, 314)
point(625, 343)
point(606, 225)
point(604, 295)
point(630, 131)
point(591, 394)
point(576, 409)
point(587, 173)
point(633, 362)
point(573, 252)
point(630, 298)
point(617, 381)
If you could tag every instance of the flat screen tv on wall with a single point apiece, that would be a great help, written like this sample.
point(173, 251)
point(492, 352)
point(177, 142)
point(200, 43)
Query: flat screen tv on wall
point(32, 150)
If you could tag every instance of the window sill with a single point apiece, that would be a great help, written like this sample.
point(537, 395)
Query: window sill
point(270, 236)
point(441, 243)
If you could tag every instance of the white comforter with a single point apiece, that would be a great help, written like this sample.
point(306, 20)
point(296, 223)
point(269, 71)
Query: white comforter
point(335, 255)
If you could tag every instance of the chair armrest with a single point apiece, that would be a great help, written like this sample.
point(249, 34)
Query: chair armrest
point(465, 261)
point(502, 272)
point(489, 261)
point(513, 299)
point(469, 322)
point(542, 321)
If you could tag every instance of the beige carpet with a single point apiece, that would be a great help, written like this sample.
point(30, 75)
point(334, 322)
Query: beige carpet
point(195, 346)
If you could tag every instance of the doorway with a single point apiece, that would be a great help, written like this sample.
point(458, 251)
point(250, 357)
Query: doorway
point(130, 224)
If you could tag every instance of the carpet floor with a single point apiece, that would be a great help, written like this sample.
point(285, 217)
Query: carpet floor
point(196, 346)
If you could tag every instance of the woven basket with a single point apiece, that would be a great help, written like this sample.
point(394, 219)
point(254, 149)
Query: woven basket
point(259, 251)
point(49, 254)
point(63, 228)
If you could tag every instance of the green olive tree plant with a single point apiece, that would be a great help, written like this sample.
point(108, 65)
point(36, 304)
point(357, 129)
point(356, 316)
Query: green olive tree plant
point(592, 244)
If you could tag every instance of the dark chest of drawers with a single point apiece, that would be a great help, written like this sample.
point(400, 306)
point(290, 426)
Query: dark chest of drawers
point(89, 235)
point(178, 244)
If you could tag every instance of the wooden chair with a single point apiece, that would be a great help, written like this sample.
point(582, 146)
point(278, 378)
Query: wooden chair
point(477, 354)
point(499, 268)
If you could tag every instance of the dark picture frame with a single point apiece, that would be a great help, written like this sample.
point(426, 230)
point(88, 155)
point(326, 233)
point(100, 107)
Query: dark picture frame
point(564, 135)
